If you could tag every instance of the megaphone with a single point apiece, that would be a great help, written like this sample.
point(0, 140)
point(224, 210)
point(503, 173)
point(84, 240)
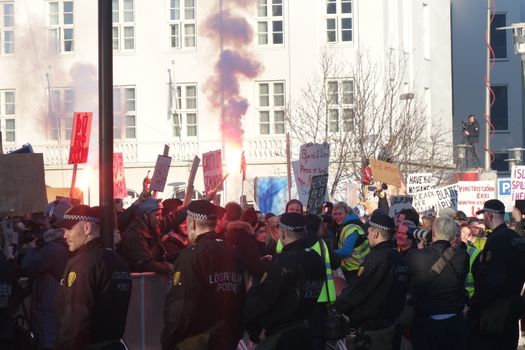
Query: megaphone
point(27, 148)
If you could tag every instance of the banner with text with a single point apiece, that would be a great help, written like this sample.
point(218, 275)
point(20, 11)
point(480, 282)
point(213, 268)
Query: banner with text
point(212, 170)
point(419, 182)
point(160, 174)
point(119, 180)
point(473, 194)
point(313, 160)
point(518, 182)
point(386, 172)
point(436, 199)
point(80, 134)
point(317, 194)
point(398, 203)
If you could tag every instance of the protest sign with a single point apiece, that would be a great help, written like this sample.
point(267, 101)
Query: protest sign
point(386, 172)
point(317, 194)
point(419, 182)
point(473, 194)
point(398, 203)
point(505, 193)
point(212, 169)
point(160, 174)
point(518, 182)
point(80, 134)
point(313, 160)
point(22, 183)
point(119, 181)
point(436, 199)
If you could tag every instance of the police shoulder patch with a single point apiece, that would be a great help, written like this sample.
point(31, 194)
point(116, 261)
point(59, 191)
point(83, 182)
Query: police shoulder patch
point(361, 271)
point(176, 278)
point(71, 277)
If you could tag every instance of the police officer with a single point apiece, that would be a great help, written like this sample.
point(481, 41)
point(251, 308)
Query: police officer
point(287, 295)
point(204, 307)
point(498, 279)
point(378, 296)
point(95, 289)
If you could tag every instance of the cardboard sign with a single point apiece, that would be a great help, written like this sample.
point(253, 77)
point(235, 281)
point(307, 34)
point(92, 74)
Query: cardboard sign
point(505, 193)
point(119, 181)
point(160, 174)
point(212, 170)
point(398, 203)
point(80, 134)
point(313, 160)
point(518, 182)
point(473, 194)
point(436, 199)
point(386, 172)
point(419, 182)
point(317, 194)
point(22, 183)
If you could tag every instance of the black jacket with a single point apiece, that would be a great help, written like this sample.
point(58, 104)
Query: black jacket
point(207, 290)
point(288, 292)
point(239, 235)
point(473, 132)
point(438, 294)
point(380, 291)
point(93, 298)
point(501, 269)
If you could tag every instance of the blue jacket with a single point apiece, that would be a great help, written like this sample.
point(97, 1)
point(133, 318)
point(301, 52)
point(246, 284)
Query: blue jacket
point(349, 243)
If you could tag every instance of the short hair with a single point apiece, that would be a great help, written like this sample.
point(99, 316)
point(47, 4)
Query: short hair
point(343, 206)
point(293, 201)
point(408, 223)
point(313, 223)
point(445, 228)
point(411, 214)
point(233, 211)
point(250, 216)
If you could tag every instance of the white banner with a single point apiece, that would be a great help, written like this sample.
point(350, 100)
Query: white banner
point(398, 203)
point(313, 160)
point(419, 182)
point(436, 199)
point(473, 194)
point(518, 182)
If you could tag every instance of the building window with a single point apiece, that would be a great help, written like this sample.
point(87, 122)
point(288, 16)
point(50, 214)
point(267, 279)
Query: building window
point(340, 105)
point(271, 107)
point(498, 38)
point(60, 26)
point(270, 22)
point(182, 24)
point(123, 25)
point(7, 114)
point(7, 38)
point(61, 109)
point(184, 122)
point(499, 112)
point(499, 163)
point(339, 19)
point(124, 112)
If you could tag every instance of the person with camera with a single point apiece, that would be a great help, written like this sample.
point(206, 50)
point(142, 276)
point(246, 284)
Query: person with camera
point(471, 136)
point(44, 264)
point(377, 299)
point(437, 291)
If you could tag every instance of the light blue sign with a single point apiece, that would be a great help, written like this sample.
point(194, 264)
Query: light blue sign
point(504, 187)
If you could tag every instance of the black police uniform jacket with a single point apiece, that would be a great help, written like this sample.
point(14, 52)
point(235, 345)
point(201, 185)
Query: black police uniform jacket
point(207, 295)
point(288, 292)
point(93, 297)
point(380, 290)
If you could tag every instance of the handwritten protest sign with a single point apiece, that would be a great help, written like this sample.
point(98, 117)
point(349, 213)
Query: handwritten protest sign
point(386, 172)
point(313, 160)
point(22, 183)
point(119, 181)
point(419, 182)
point(436, 199)
point(160, 174)
point(80, 135)
point(518, 182)
point(317, 194)
point(212, 169)
point(398, 203)
point(472, 195)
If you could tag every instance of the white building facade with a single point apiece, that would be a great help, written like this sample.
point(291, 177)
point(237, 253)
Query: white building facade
point(469, 25)
point(48, 60)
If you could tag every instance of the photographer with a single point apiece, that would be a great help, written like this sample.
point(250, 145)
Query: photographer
point(471, 136)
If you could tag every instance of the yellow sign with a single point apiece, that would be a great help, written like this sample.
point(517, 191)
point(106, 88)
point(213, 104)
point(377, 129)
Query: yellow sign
point(386, 172)
point(71, 277)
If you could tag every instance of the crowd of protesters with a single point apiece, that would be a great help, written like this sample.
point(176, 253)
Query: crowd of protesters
point(292, 280)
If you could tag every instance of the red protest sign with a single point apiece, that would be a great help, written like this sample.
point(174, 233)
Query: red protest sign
point(119, 181)
point(212, 169)
point(80, 134)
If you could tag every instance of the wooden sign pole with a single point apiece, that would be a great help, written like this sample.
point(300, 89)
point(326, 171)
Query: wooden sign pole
point(191, 180)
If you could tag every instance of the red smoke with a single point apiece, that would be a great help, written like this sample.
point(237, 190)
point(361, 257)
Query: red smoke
point(235, 63)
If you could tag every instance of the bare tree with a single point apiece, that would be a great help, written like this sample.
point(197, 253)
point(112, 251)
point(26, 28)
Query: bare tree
point(364, 110)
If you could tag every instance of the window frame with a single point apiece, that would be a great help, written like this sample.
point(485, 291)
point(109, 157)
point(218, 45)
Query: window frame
point(269, 19)
point(119, 27)
point(6, 28)
point(343, 121)
point(57, 45)
point(503, 34)
point(276, 113)
point(122, 115)
point(334, 13)
point(183, 110)
point(179, 40)
point(61, 110)
point(5, 116)
point(506, 86)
